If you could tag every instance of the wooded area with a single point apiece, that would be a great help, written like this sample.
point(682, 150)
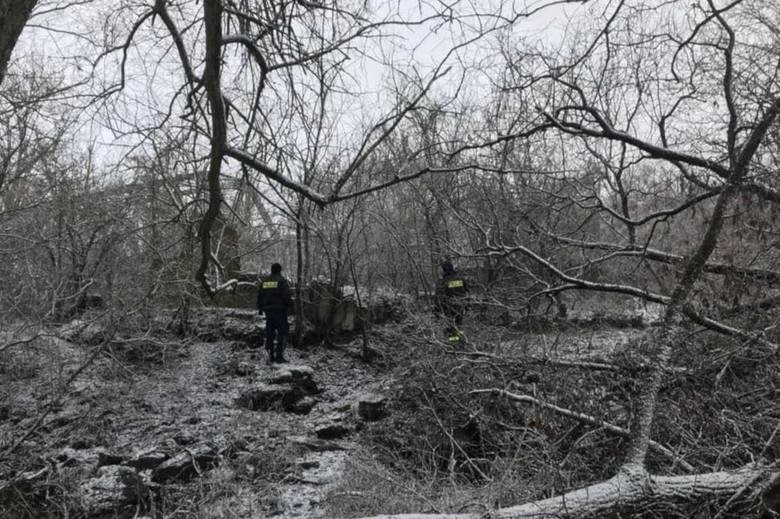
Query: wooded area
point(587, 165)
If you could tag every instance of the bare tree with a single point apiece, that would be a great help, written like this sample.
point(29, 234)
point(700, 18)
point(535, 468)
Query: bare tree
point(614, 165)
point(611, 101)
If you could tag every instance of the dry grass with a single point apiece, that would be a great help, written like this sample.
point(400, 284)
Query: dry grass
point(444, 449)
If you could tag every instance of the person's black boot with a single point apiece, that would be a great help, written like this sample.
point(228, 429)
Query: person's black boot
point(280, 351)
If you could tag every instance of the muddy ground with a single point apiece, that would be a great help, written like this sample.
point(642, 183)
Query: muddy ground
point(167, 427)
point(248, 459)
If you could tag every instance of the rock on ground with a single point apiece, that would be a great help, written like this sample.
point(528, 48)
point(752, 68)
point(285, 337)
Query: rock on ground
point(371, 407)
point(186, 464)
point(114, 488)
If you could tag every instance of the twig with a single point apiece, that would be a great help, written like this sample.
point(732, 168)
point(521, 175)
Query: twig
point(194, 462)
point(614, 429)
point(454, 442)
point(51, 405)
point(19, 342)
point(25, 476)
point(583, 364)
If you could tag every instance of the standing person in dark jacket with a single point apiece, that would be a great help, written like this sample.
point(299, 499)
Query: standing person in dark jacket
point(451, 299)
point(274, 298)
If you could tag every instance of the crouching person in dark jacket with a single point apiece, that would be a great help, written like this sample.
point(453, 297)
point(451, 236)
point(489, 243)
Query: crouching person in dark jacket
point(274, 299)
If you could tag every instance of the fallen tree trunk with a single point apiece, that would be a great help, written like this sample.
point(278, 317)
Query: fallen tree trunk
point(631, 488)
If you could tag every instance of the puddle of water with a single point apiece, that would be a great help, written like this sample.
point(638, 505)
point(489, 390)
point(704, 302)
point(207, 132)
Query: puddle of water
point(304, 498)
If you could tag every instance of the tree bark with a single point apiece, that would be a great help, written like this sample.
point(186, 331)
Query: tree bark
point(13, 17)
point(300, 277)
point(212, 19)
point(627, 490)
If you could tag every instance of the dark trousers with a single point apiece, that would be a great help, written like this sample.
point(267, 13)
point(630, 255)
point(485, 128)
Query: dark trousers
point(276, 329)
point(453, 313)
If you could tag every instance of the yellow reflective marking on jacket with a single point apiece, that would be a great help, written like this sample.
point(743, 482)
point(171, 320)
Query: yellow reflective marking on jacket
point(455, 283)
point(270, 284)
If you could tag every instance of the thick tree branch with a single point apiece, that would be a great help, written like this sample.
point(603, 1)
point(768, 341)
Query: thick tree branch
point(161, 10)
point(770, 276)
point(608, 132)
point(272, 174)
point(256, 53)
point(584, 418)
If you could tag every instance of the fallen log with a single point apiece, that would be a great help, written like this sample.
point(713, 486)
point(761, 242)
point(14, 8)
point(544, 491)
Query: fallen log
point(632, 487)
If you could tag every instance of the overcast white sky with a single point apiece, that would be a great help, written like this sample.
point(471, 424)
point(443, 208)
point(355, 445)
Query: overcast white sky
point(66, 41)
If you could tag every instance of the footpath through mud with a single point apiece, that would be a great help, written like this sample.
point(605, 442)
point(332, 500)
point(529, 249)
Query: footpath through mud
point(210, 430)
point(207, 428)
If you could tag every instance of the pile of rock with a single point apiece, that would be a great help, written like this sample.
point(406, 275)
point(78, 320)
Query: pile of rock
point(290, 389)
point(120, 482)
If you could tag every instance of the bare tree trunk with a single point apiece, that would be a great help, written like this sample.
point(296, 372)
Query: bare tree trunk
point(667, 338)
point(212, 19)
point(300, 237)
point(13, 17)
point(364, 353)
